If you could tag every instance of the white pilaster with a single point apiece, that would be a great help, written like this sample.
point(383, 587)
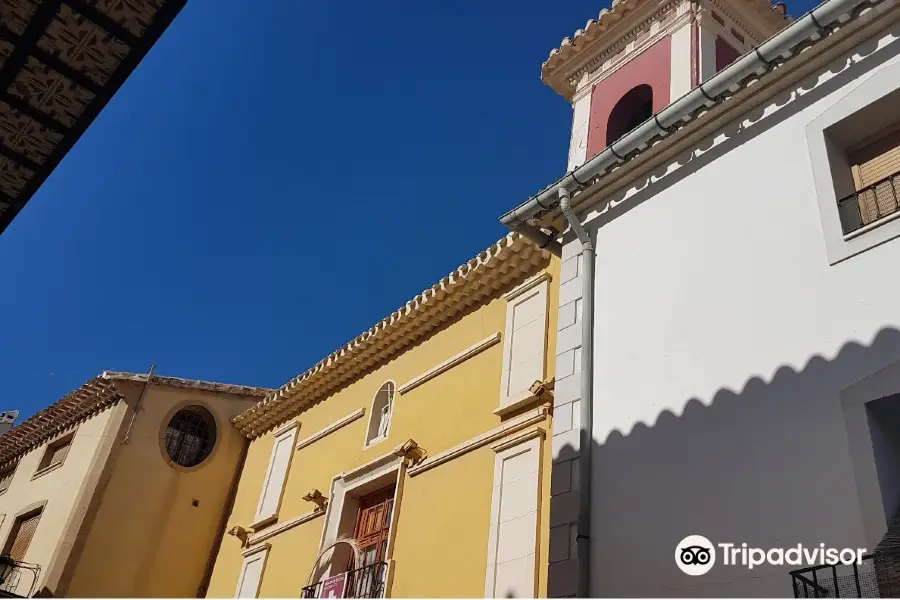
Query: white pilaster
point(680, 83)
point(581, 114)
point(707, 52)
point(564, 487)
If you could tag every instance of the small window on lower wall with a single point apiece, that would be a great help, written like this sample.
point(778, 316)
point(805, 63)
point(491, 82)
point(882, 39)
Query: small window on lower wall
point(252, 570)
point(21, 534)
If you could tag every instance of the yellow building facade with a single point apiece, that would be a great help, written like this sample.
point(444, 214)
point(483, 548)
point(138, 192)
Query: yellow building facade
point(415, 460)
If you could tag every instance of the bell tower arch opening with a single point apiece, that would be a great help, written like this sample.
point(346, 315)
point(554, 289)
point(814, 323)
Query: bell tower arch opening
point(632, 109)
point(636, 57)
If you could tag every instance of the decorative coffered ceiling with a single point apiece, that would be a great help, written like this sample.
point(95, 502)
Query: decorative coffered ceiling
point(60, 63)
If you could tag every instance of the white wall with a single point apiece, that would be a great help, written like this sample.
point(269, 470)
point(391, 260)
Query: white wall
point(725, 351)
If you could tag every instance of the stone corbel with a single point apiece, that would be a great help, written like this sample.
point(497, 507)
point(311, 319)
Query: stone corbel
point(411, 451)
point(540, 392)
point(240, 533)
point(316, 497)
point(543, 390)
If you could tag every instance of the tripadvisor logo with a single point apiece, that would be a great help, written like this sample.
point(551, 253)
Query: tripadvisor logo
point(696, 555)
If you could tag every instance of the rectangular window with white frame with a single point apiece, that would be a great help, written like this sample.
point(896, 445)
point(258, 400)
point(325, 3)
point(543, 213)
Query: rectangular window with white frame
point(854, 149)
point(525, 340)
point(252, 570)
point(276, 476)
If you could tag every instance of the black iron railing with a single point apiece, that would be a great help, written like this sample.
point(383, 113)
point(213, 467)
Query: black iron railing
point(878, 576)
point(838, 581)
point(17, 579)
point(365, 582)
point(869, 204)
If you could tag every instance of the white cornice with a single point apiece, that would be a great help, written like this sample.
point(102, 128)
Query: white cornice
point(751, 30)
point(585, 50)
point(602, 72)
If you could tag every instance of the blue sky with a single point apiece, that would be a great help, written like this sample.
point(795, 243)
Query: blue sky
point(273, 179)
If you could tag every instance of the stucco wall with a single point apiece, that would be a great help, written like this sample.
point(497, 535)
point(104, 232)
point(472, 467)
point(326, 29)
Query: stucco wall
point(441, 540)
point(59, 488)
point(147, 539)
point(732, 362)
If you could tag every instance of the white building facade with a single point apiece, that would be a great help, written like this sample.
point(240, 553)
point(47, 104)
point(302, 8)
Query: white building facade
point(746, 297)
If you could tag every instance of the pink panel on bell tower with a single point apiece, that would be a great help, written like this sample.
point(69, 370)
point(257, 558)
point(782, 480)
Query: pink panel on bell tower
point(651, 67)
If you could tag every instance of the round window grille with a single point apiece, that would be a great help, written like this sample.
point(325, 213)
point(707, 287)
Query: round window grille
point(190, 436)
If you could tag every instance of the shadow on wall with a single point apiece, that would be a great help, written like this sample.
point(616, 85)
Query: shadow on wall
point(779, 463)
point(786, 104)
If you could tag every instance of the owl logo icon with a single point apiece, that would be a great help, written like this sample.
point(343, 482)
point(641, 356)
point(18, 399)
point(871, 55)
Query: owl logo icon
point(695, 555)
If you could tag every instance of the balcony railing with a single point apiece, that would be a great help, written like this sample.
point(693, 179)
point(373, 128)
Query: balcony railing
point(877, 577)
point(17, 579)
point(365, 582)
point(869, 204)
point(838, 581)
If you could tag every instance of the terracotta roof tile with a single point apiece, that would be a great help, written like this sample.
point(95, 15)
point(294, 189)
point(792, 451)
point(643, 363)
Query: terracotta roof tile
point(510, 259)
point(89, 399)
point(578, 47)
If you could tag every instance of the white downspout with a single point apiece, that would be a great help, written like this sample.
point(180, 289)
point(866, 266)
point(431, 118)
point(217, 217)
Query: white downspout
point(583, 538)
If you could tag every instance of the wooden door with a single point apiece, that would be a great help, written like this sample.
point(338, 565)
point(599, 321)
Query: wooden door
point(373, 524)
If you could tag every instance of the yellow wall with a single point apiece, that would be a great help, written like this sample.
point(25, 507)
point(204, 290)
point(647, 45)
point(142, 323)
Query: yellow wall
point(442, 529)
point(147, 539)
point(60, 488)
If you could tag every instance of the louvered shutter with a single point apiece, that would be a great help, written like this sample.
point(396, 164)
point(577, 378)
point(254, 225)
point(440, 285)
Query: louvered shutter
point(24, 534)
point(59, 453)
point(872, 165)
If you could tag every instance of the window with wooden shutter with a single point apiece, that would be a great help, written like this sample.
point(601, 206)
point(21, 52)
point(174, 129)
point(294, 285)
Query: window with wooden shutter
point(56, 453)
point(6, 477)
point(21, 535)
point(874, 167)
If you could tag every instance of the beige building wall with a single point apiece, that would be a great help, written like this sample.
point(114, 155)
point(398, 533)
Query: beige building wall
point(156, 523)
point(59, 490)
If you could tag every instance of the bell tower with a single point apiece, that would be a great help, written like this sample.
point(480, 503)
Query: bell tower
point(640, 55)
